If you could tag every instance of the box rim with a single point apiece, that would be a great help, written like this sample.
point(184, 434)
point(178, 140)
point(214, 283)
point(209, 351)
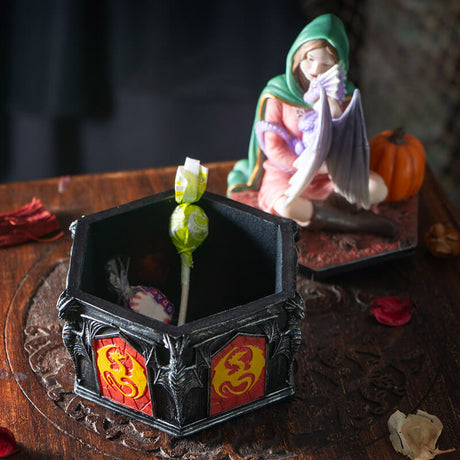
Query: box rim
point(286, 228)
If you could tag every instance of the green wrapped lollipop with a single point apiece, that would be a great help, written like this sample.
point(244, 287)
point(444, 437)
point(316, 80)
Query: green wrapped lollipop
point(188, 227)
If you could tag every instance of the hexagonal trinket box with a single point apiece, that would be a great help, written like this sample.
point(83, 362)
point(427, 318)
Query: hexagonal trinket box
point(236, 351)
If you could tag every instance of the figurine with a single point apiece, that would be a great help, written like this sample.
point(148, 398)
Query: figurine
point(308, 153)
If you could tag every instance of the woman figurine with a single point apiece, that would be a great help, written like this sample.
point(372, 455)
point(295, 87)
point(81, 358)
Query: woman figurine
point(309, 140)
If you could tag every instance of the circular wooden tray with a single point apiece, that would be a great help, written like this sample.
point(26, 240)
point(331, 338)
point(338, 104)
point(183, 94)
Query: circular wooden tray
point(352, 374)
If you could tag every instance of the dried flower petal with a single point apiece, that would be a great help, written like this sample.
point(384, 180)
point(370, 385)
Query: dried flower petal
point(392, 311)
point(8, 444)
point(442, 241)
point(416, 435)
point(30, 222)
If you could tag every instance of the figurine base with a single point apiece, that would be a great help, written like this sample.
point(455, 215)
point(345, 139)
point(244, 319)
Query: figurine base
point(326, 253)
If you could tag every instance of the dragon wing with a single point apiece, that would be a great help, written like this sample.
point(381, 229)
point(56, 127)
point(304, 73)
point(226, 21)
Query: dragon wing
point(348, 158)
point(311, 159)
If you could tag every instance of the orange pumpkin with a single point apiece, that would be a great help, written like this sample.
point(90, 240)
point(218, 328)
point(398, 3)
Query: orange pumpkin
point(400, 159)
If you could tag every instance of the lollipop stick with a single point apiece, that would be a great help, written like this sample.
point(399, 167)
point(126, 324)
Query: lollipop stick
point(185, 285)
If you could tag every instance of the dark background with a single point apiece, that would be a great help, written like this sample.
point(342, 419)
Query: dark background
point(92, 86)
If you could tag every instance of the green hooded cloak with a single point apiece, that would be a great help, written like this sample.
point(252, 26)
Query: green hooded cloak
point(247, 172)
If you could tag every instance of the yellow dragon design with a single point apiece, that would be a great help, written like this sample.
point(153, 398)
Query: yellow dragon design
point(238, 371)
point(112, 366)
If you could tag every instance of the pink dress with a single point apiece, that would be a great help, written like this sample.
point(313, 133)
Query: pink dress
point(280, 158)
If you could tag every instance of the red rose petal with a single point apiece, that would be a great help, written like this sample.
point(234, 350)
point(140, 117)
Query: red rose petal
point(392, 311)
point(8, 444)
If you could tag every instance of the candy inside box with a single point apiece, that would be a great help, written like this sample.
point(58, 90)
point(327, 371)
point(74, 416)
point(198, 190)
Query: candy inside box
point(236, 351)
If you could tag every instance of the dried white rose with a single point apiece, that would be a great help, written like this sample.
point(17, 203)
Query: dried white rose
point(416, 435)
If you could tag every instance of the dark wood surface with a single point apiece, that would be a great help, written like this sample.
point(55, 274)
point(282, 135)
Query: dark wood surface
point(352, 373)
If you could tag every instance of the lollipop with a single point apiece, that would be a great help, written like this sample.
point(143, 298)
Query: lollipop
point(188, 226)
point(146, 300)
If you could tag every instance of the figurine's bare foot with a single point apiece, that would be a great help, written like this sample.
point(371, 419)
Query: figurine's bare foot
point(299, 209)
point(378, 190)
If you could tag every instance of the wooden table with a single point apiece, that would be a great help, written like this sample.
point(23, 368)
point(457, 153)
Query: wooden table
point(352, 373)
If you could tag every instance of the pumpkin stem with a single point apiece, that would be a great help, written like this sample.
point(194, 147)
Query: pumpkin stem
point(397, 136)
